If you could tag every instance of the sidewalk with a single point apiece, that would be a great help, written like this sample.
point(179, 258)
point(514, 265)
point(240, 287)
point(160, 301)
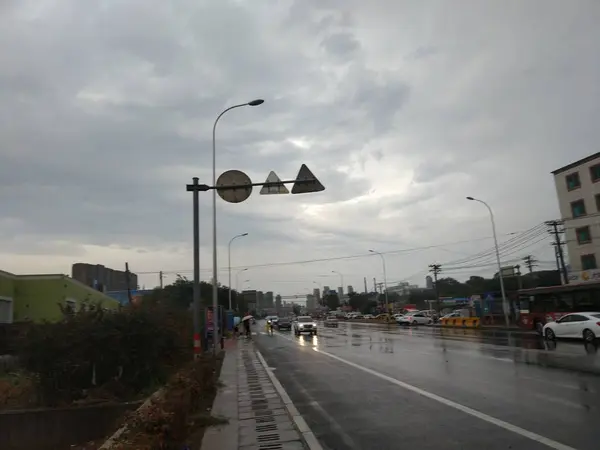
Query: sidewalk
point(258, 417)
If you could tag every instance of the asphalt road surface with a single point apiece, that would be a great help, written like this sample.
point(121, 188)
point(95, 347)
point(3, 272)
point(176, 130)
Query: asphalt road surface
point(377, 387)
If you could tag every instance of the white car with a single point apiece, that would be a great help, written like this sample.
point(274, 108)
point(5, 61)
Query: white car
point(414, 318)
point(304, 324)
point(581, 325)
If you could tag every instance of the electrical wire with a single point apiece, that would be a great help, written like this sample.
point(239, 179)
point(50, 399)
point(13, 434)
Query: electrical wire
point(316, 260)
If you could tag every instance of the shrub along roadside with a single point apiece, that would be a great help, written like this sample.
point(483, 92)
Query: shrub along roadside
point(113, 355)
point(182, 406)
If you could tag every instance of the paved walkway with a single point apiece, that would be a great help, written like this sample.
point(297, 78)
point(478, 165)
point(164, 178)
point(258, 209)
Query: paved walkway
point(259, 419)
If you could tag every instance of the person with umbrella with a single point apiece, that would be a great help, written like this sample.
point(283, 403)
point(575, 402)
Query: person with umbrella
point(246, 321)
point(236, 326)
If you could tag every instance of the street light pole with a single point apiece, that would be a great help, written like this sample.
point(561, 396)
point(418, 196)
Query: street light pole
point(237, 278)
point(341, 280)
point(504, 302)
point(384, 276)
point(215, 290)
point(229, 262)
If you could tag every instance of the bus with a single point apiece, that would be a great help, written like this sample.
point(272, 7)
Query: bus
point(541, 305)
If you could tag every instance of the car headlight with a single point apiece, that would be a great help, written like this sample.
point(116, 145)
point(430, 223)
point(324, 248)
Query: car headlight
point(314, 324)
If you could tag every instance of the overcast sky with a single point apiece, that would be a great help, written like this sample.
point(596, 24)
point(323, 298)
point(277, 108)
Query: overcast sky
point(400, 108)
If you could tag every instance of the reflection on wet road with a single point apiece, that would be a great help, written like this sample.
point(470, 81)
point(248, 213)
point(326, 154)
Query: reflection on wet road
point(374, 386)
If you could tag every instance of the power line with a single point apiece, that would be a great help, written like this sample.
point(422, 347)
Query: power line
point(338, 258)
point(506, 249)
point(510, 243)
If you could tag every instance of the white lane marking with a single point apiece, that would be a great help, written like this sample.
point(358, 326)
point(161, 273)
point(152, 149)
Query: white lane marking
point(303, 428)
point(472, 412)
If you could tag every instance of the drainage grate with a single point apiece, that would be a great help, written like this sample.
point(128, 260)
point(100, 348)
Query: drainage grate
point(264, 419)
point(274, 446)
point(265, 428)
point(259, 407)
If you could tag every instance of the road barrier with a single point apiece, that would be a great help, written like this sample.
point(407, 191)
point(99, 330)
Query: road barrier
point(461, 322)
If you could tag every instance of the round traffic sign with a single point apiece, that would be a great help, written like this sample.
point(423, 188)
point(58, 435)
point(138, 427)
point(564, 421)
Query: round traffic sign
point(229, 180)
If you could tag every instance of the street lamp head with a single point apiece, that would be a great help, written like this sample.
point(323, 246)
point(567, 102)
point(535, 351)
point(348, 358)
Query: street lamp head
point(258, 101)
point(470, 198)
point(372, 251)
point(244, 234)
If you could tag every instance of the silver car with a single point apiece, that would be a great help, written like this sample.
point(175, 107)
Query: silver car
point(304, 324)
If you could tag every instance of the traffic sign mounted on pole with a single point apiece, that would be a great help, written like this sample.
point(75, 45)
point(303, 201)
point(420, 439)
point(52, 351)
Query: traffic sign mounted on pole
point(306, 182)
point(270, 188)
point(232, 179)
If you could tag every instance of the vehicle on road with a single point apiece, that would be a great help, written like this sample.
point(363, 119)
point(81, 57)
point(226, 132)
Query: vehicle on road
point(543, 305)
point(451, 315)
point(368, 316)
point(331, 321)
point(304, 324)
point(284, 323)
point(582, 325)
point(414, 318)
point(272, 319)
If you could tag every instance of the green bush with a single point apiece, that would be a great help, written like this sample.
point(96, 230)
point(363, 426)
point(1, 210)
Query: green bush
point(125, 352)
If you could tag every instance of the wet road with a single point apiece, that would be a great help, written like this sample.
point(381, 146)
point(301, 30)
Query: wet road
point(364, 386)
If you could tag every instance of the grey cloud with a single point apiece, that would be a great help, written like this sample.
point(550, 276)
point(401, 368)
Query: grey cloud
point(463, 110)
point(341, 45)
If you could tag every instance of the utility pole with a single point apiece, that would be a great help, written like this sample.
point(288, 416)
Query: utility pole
point(366, 289)
point(127, 280)
point(160, 278)
point(558, 243)
point(519, 279)
point(374, 285)
point(530, 262)
point(435, 269)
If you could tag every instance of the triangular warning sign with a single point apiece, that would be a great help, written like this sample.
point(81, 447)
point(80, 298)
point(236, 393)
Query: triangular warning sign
point(306, 182)
point(278, 188)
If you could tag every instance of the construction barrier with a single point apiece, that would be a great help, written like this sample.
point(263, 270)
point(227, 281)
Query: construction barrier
point(461, 322)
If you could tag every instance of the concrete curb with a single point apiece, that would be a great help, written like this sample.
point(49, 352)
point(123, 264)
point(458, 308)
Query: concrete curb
point(225, 436)
point(307, 435)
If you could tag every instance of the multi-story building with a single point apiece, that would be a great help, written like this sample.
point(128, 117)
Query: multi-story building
point(278, 304)
point(428, 282)
point(102, 278)
point(268, 300)
point(310, 302)
point(578, 192)
point(317, 294)
point(350, 290)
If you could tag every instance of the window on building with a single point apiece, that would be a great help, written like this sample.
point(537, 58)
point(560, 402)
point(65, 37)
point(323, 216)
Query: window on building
point(583, 235)
point(595, 173)
point(588, 262)
point(578, 208)
point(598, 202)
point(573, 181)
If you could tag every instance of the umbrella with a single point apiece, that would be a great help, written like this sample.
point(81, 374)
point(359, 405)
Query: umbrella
point(247, 318)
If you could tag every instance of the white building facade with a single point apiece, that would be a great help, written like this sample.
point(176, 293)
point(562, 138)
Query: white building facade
point(578, 192)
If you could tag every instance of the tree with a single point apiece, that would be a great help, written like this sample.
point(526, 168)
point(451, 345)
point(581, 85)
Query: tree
point(180, 295)
point(365, 303)
point(296, 309)
point(332, 301)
